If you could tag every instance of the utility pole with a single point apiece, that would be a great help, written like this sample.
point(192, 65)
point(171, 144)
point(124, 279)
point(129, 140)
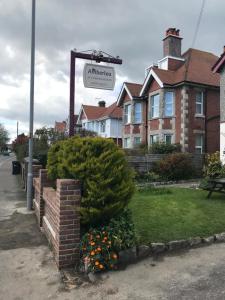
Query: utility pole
point(30, 171)
point(94, 56)
point(17, 129)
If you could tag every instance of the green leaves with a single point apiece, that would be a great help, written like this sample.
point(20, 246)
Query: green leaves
point(107, 181)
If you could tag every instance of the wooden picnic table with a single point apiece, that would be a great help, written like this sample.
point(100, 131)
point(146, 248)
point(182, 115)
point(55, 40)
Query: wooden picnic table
point(216, 185)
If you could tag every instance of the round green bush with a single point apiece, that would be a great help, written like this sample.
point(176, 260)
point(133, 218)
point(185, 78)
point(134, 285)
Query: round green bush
point(106, 179)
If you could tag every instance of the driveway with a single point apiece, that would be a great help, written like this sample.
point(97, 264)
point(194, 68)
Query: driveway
point(27, 269)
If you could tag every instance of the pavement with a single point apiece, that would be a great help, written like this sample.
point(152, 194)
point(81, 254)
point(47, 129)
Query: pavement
point(28, 271)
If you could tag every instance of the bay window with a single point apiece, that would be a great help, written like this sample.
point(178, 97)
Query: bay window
point(137, 113)
point(127, 114)
point(168, 108)
point(154, 106)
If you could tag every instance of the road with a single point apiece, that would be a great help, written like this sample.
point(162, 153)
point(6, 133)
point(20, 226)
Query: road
point(27, 269)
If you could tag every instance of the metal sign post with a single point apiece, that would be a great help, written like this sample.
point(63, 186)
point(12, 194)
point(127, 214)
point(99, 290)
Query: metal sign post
point(94, 56)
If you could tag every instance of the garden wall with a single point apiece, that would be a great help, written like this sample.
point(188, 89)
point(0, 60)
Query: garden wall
point(57, 211)
point(143, 163)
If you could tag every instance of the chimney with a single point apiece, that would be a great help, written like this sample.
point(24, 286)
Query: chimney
point(172, 43)
point(101, 103)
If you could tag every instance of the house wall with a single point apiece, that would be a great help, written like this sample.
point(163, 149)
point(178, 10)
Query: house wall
point(208, 124)
point(133, 130)
point(222, 115)
point(184, 125)
point(116, 128)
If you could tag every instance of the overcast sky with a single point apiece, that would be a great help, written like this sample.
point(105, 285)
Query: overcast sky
point(132, 29)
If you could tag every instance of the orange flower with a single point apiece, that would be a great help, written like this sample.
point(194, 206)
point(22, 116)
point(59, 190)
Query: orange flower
point(92, 243)
point(114, 256)
point(105, 238)
point(92, 253)
point(101, 266)
point(98, 236)
point(99, 249)
point(97, 263)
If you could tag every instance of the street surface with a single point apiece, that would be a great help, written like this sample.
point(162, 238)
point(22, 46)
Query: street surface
point(27, 269)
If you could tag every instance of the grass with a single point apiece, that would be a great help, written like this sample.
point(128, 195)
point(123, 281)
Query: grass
point(164, 214)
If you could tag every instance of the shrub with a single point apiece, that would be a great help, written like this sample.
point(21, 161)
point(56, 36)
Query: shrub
point(213, 167)
point(175, 166)
point(100, 246)
point(163, 148)
point(101, 167)
point(147, 177)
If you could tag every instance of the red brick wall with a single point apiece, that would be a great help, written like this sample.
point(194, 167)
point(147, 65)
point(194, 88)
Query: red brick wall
point(211, 128)
point(136, 129)
point(126, 98)
point(39, 183)
point(154, 86)
point(127, 129)
point(167, 123)
point(212, 121)
point(153, 124)
point(174, 64)
point(178, 115)
point(60, 219)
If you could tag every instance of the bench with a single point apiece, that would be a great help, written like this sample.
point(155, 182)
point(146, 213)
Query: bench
point(215, 185)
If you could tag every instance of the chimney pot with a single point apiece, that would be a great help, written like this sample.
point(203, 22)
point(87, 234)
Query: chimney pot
point(223, 49)
point(101, 103)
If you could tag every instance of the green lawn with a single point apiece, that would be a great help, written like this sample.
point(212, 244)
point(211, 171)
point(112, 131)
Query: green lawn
point(164, 214)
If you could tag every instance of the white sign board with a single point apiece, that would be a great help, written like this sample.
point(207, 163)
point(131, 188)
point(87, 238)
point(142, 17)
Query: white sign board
point(99, 77)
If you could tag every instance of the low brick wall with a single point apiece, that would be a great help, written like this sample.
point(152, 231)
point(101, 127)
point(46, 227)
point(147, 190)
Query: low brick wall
point(39, 183)
point(58, 213)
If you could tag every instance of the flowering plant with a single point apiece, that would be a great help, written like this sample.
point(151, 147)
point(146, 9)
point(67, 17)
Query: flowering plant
point(97, 253)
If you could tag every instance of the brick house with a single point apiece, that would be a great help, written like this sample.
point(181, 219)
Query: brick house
point(177, 103)
point(105, 121)
point(219, 67)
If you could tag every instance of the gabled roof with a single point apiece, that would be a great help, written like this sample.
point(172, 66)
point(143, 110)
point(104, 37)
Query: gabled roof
point(196, 69)
point(219, 64)
point(132, 89)
point(96, 112)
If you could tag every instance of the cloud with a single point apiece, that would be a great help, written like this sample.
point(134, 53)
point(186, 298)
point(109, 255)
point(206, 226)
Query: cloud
point(131, 29)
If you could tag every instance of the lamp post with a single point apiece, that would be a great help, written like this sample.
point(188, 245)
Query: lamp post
point(30, 171)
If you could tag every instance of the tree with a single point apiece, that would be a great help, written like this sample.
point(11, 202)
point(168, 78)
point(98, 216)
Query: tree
point(102, 168)
point(4, 137)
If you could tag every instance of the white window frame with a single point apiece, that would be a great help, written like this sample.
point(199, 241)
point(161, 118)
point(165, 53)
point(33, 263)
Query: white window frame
point(154, 108)
point(102, 126)
point(127, 114)
point(199, 146)
point(199, 103)
point(137, 113)
point(152, 137)
point(166, 104)
point(171, 136)
point(135, 140)
point(127, 142)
